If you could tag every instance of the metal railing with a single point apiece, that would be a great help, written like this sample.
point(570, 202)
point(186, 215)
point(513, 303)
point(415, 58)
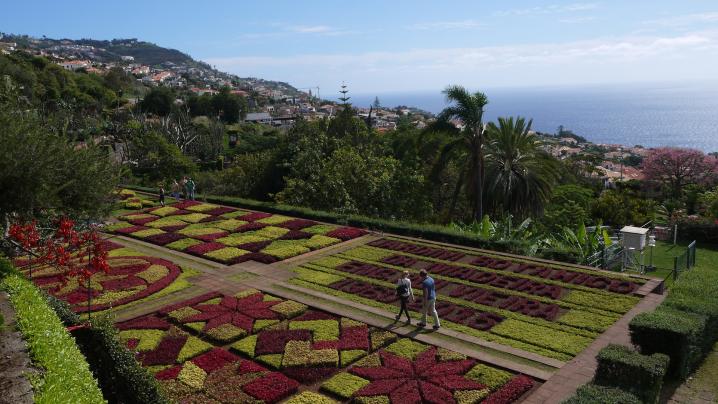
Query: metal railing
point(683, 262)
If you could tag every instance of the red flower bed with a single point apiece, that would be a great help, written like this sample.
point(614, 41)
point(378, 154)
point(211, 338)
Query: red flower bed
point(255, 246)
point(122, 283)
point(217, 358)
point(400, 261)
point(259, 257)
point(511, 391)
point(354, 338)
point(164, 238)
point(210, 219)
point(166, 352)
point(220, 211)
point(185, 204)
point(250, 227)
point(346, 233)
point(254, 216)
point(142, 221)
point(149, 322)
point(424, 251)
point(170, 229)
point(310, 315)
point(274, 341)
point(201, 249)
point(309, 375)
point(366, 290)
point(295, 235)
point(297, 224)
point(128, 230)
point(189, 302)
point(271, 388)
point(211, 237)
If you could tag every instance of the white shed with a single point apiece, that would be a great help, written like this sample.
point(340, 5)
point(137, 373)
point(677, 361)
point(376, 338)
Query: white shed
point(634, 237)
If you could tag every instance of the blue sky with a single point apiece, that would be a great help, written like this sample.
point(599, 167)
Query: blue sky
point(385, 46)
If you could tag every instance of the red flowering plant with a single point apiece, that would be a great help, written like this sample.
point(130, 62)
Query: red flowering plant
point(73, 251)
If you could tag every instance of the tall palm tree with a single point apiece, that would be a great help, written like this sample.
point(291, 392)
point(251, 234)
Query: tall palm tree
point(466, 144)
point(520, 174)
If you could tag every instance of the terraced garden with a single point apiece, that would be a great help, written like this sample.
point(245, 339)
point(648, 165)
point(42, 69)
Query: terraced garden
point(228, 235)
point(551, 310)
point(254, 347)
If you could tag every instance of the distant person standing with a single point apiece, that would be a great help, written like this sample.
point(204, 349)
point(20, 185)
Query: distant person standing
point(190, 188)
point(183, 187)
point(404, 291)
point(162, 195)
point(175, 190)
point(429, 304)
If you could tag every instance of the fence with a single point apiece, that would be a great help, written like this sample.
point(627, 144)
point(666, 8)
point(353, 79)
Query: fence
point(685, 261)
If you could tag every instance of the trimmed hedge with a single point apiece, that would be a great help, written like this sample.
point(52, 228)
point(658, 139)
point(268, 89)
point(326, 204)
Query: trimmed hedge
point(66, 377)
point(695, 292)
point(677, 334)
point(593, 394)
point(120, 375)
point(425, 231)
point(703, 232)
point(624, 368)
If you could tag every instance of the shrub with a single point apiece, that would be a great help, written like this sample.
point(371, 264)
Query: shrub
point(593, 394)
point(66, 377)
point(674, 333)
point(695, 292)
point(120, 375)
point(621, 367)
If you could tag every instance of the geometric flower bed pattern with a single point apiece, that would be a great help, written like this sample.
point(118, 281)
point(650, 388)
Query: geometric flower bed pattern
point(312, 346)
point(229, 235)
point(289, 345)
point(132, 276)
point(555, 311)
point(411, 372)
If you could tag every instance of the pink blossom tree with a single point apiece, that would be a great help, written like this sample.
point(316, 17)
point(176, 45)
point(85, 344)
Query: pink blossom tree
point(676, 167)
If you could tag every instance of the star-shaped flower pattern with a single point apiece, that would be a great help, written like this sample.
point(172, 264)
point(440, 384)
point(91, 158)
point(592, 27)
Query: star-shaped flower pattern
point(421, 380)
point(240, 312)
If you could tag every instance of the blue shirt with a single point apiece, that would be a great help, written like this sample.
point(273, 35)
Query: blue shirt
point(428, 285)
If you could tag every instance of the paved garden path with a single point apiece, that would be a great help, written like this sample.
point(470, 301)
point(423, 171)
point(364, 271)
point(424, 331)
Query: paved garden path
point(14, 359)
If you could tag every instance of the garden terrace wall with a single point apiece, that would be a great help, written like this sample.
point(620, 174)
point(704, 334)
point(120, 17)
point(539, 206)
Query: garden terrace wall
point(425, 231)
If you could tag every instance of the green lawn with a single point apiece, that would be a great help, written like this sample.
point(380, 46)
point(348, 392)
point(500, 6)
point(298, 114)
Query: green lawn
point(664, 253)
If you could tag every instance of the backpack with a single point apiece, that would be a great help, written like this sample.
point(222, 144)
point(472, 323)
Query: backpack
point(401, 289)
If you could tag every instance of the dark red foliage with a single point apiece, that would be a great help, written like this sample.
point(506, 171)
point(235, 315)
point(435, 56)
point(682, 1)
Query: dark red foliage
point(260, 257)
point(148, 322)
point(211, 237)
point(366, 290)
point(255, 246)
point(510, 391)
point(131, 229)
point(325, 345)
point(166, 352)
point(178, 227)
point(201, 249)
point(122, 283)
point(247, 366)
point(142, 221)
point(295, 235)
point(274, 341)
point(185, 204)
point(190, 302)
point(180, 212)
point(79, 295)
point(315, 315)
point(309, 375)
point(215, 359)
point(111, 245)
point(271, 387)
point(254, 216)
point(169, 374)
point(220, 211)
point(297, 224)
point(164, 238)
point(249, 227)
point(354, 338)
point(424, 251)
point(210, 219)
point(346, 233)
point(400, 261)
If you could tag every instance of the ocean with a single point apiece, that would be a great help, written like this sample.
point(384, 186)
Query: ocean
point(651, 115)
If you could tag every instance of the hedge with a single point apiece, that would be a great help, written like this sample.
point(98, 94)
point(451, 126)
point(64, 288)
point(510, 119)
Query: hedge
point(675, 333)
point(593, 394)
point(695, 292)
point(425, 231)
point(624, 368)
point(701, 232)
point(66, 376)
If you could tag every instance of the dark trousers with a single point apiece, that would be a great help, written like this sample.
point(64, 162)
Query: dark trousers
point(404, 307)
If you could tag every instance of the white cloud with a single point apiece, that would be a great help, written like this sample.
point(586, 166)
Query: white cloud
point(284, 30)
point(445, 25)
point(548, 9)
point(576, 20)
point(310, 29)
point(606, 59)
point(684, 20)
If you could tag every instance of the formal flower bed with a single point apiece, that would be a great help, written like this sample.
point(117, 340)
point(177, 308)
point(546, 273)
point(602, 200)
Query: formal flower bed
point(313, 345)
point(411, 372)
point(132, 276)
point(555, 312)
point(257, 236)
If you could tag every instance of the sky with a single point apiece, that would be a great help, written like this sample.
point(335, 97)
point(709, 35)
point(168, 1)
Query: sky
point(401, 45)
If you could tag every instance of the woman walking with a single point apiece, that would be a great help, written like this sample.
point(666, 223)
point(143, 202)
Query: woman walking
point(162, 195)
point(404, 291)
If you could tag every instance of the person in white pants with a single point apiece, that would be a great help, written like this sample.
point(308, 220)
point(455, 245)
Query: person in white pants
point(429, 303)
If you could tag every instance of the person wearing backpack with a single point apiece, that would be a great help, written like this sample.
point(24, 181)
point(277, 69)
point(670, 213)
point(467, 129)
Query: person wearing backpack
point(404, 291)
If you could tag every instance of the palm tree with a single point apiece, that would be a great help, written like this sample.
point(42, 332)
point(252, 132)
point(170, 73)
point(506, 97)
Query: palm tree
point(465, 145)
point(520, 174)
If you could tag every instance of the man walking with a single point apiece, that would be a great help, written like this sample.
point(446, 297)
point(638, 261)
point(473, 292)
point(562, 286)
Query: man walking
point(429, 302)
point(404, 291)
